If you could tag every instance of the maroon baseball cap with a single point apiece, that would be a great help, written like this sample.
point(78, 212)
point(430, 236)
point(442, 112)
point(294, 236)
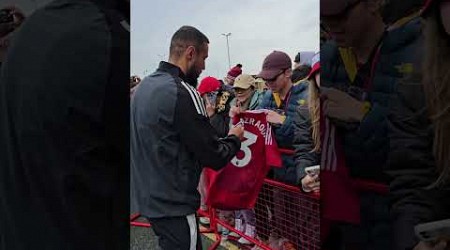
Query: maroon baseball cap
point(335, 7)
point(274, 64)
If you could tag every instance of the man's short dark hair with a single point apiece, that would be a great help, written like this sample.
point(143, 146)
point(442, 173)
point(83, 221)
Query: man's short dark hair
point(184, 37)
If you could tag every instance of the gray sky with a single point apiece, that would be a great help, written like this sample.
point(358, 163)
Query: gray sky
point(258, 27)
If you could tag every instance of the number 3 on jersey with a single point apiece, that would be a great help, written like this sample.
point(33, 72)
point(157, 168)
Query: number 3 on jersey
point(245, 148)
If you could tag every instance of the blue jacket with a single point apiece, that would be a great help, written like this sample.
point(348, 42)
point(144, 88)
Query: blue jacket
point(366, 144)
point(284, 134)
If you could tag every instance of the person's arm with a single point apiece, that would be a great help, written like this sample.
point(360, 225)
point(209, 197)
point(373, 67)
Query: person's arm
point(303, 142)
point(410, 164)
point(221, 121)
point(199, 137)
point(284, 129)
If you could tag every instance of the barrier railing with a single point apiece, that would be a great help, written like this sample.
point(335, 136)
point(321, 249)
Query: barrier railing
point(286, 217)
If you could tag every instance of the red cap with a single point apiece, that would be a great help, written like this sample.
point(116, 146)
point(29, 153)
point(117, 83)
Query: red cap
point(208, 84)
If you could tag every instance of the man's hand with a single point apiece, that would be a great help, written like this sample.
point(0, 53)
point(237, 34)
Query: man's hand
point(341, 106)
point(234, 111)
point(441, 245)
point(311, 183)
point(275, 118)
point(238, 131)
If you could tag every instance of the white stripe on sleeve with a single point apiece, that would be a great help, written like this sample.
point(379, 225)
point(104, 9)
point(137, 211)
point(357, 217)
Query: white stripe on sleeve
point(192, 221)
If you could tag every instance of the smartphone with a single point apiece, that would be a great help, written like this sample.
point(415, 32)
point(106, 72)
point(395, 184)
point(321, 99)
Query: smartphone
point(313, 170)
point(433, 231)
point(6, 16)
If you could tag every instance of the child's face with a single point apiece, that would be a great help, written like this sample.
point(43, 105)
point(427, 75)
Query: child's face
point(242, 94)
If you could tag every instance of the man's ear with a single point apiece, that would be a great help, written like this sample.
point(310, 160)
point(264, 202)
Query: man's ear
point(190, 52)
point(288, 73)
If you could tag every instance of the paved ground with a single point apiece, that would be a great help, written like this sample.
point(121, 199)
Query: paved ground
point(144, 239)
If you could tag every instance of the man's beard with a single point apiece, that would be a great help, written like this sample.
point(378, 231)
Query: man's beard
point(192, 76)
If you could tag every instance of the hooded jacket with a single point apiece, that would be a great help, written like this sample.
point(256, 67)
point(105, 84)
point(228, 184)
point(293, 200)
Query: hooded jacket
point(366, 144)
point(64, 130)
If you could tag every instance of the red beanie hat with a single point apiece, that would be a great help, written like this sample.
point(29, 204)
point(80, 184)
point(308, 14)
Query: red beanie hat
point(235, 71)
point(208, 84)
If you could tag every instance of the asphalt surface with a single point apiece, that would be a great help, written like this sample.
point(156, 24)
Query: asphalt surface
point(142, 238)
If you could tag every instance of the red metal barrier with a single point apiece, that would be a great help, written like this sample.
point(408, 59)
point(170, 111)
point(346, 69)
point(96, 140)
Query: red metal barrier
point(284, 214)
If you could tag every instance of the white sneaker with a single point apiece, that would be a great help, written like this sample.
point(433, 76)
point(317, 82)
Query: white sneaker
point(238, 226)
point(234, 235)
point(249, 231)
point(204, 220)
point(222, 230)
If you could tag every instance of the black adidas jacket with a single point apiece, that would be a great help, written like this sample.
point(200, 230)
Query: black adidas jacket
point(171, 140)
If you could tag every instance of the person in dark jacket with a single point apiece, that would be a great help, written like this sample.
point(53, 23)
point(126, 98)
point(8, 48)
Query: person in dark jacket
point(419, 155)
point(172, 140)
point(300, 73)
point(64, 129)
point(281, 101)
point(217, 104)
point(397, 12)
point(217, 100)
point(360, 69)
point(307, 132)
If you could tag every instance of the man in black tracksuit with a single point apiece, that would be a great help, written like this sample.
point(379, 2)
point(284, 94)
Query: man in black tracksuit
point(171, 140)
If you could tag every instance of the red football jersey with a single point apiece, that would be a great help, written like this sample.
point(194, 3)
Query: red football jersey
point(238, 184)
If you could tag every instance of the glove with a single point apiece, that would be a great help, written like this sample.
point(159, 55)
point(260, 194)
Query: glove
point(341, 106)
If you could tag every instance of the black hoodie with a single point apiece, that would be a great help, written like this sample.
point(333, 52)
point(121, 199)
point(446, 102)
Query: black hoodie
point(64, 130)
